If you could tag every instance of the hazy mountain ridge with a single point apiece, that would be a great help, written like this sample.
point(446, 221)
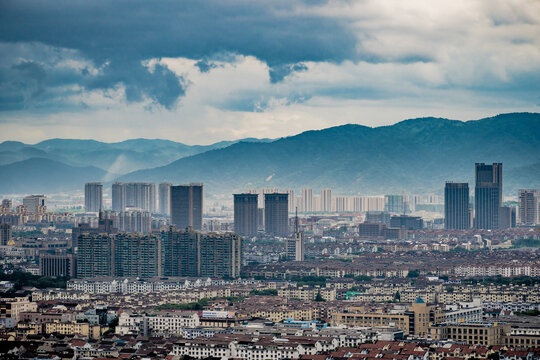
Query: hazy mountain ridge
point(416, 155)
point(120, 158)
point(40, 175)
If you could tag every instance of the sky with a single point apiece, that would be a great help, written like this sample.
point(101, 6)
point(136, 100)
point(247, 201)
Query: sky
point(205, 71)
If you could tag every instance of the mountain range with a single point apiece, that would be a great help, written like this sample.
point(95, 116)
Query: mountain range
point(416, 155)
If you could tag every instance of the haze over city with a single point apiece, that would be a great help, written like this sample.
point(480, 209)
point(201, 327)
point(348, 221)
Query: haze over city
point(270, 180)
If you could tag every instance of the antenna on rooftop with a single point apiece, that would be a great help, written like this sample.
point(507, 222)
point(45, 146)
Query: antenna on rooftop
point(296, 220)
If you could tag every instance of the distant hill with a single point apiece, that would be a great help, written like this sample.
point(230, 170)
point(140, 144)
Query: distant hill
point(39, 175)
point(416, 155)
point(120, 158)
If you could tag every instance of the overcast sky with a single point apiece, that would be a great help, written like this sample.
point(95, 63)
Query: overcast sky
point(204, 71)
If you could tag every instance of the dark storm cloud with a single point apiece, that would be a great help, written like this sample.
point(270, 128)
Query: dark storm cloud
point(118, 36)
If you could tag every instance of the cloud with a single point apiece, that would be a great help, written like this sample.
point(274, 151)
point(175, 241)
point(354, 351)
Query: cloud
point(212, 70)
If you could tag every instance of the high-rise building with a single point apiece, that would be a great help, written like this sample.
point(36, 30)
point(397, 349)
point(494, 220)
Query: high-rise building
point(276, 214)
point(456, 206)
point(395, 204)
point(135, 221)
point(35, 203)
point(187, 206)
point(5, 233)
point(118, 196)
point(507, 217)
point(107, 224)
point(529, 207)
point(488, 195)
point(93, 197)
point(164, 198)
point(137, 255)
point(326, 200)
point(180, 252)
point(246, 214)
point(307, 200)
point(295, 244)
point(140, 196)
point(95, 255)
point(121, 254)
point(53, 265)
point(220, 255)
point(292, 205)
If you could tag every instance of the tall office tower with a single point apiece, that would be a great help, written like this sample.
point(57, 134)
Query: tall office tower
point(394, 204)
point(529, 203)
point(95, 255)
point(307, 200)
point(137, 255)
point(295, 244)
point(276, 214)
point(135, 221)
point(5, 233)
point(93, 197)
point(220, 255)
point(326, 200)
point(487, 195)
point(118, 196)
point(456, 206)
point(35, 203)
point(7, 205)
point(187, 206)
point(164, 198)
point(246, 214)
point(53, 265)
point(180, 252)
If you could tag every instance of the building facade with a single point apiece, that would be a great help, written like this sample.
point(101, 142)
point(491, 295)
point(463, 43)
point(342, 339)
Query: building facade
point(164, 198)
point(488, 195)
point(246, 214)
point(186, 203)
point(276, 214)
point(456, 206)
point(93, 197)
point(529, 207)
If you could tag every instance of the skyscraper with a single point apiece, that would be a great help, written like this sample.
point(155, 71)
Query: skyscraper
point(118, 196)
point(307, 200)
point(187, 206)
point(180, 252)
point(295, 244)
point(529, 207)
point(220, 255)
point(456, 206)
point(93, 197)
point(276, 214)
point(141, 196)
point(246, 214)
point(326, 200)
point(395, 204)
point(135, 221)
point(164, 198)
point(487, 195)
point(35, 203)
